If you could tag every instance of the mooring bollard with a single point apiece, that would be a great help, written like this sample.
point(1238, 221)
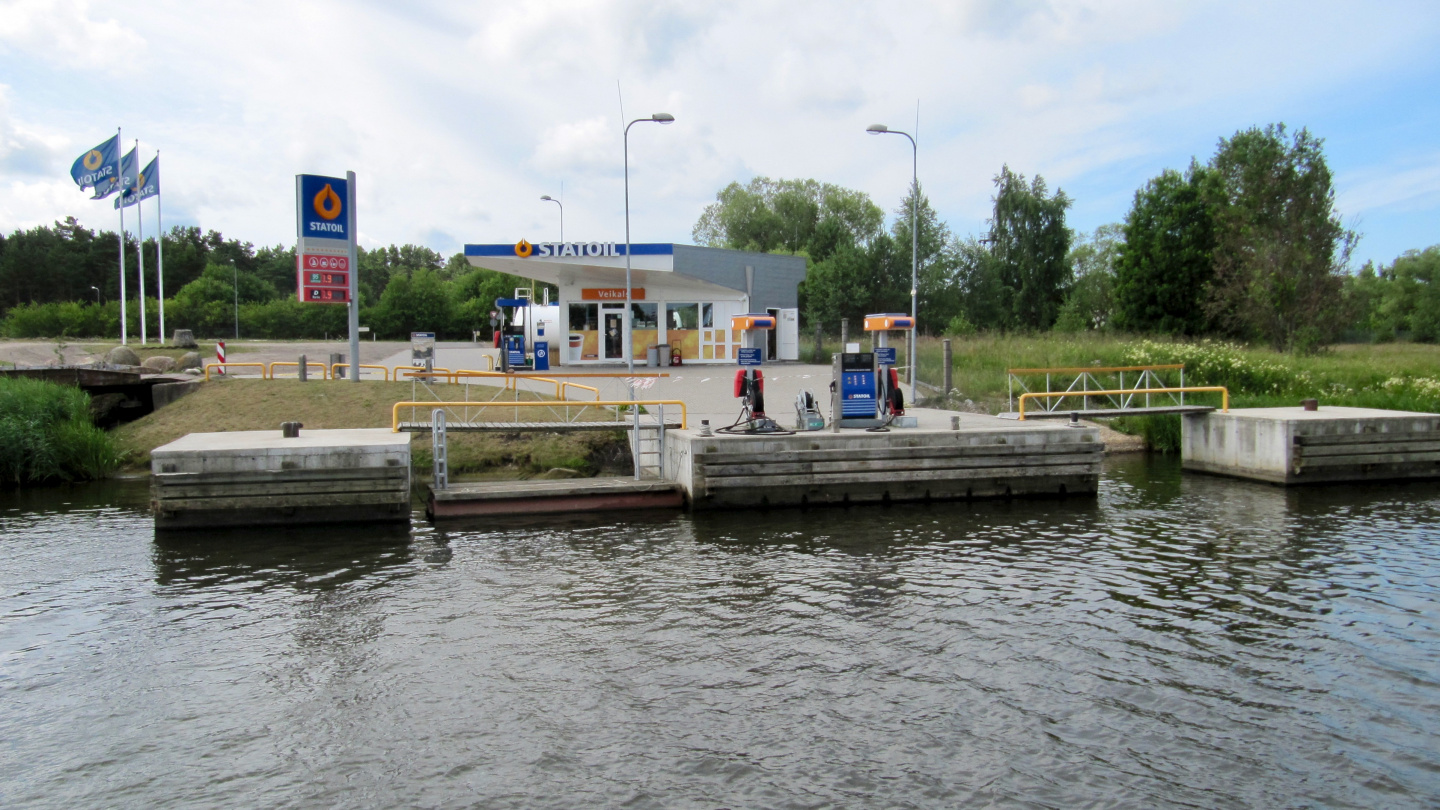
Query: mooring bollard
point(290, 430)
point(954, 423)
point(1310, 404)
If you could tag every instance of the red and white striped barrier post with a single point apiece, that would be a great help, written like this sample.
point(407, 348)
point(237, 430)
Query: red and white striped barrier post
point(220, 356)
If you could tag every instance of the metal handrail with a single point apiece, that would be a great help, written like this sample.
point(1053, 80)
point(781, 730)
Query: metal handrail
point(1189, 389)
point(454, 377)
point(395, 411)
point(434, 372)
point(335, 375)
point(260, 366)
point(1094, 369)
point(565, 385)
point(323, 371)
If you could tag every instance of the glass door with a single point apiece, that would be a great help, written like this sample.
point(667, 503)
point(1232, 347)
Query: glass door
point(613, 337)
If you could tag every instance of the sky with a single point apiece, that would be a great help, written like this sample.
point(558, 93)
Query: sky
point(457, 117)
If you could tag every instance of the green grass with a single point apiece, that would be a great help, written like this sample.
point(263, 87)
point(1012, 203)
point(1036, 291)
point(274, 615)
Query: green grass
point(47, 435)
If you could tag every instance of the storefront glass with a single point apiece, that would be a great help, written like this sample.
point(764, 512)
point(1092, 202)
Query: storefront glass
point(643, 328)
point(585, 322)
point(682, 329)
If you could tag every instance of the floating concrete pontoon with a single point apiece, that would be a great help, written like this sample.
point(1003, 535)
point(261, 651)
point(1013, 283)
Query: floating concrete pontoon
point(986, 458)
point(1296, 446)
point(260, 477)
point(531, 497)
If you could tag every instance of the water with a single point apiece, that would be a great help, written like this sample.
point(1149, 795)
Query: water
point(1182, 641)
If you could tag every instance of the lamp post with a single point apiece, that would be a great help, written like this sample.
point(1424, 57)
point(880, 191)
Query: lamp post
point(97, 294)
point(236, 273)
point(659, 118)
point(881, 129)
point(562, 215)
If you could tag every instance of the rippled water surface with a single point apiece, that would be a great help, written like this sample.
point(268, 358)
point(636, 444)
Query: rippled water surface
point(1183, 641)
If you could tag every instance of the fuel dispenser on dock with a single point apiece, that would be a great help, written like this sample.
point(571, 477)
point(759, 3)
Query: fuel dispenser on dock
point(867, 383)
point(749, 379)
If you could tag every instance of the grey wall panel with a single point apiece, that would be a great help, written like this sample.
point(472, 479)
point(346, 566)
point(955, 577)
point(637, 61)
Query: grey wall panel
point(777, 278)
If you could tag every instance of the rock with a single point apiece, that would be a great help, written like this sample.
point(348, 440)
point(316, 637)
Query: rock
point(184, 339)
point(122, 356)
point(197, 372)
point(189, 360)
point(159, 363)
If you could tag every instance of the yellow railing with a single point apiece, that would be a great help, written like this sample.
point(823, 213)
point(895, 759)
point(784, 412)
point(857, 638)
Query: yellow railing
point(434, 372)
point(455, 377)
point(1189, 389)
point(260, 366)
point(296, 364)
point(1094, 369)
point(395, 412)
point(335, 373)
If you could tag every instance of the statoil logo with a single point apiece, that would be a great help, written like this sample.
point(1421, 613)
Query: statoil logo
point(327, 203)
point(92, 159)
point(523, 249)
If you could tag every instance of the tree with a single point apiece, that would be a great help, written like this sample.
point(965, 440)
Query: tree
point(1280, 248)
point(1029, 243)
point(1090, 302)
point(767, 215)
point(1164, 267)
point(937, 296)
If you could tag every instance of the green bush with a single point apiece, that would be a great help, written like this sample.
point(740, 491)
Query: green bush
point(47, 435)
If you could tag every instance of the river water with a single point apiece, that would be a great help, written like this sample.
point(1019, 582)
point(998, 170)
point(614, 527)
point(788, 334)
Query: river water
point(1181, 641)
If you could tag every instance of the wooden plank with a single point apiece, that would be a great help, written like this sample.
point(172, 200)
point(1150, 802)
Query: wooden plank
point(1369, 458)
point(943, 463)
point(1318, 451)
point(293, 501)
point(825, 479)
point(295, 476)
point(512, 427)
point(1368, 438)
point(284, 488)
point(892, 452)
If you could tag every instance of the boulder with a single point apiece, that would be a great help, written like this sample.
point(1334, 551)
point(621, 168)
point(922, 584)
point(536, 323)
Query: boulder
point(122, 356)
point(159, 363)
point(184, 339)
point(190, 360)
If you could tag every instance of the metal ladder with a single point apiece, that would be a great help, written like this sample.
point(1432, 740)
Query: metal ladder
point(648, 445)
point(439, 449)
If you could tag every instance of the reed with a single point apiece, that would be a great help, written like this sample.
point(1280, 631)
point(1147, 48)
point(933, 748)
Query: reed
point(47, 435)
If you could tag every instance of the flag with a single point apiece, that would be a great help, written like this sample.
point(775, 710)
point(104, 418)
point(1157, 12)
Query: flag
point(96, 165)
point(105, 188)
point(149, 183)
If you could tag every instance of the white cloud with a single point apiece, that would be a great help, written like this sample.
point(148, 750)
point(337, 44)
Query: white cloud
point(64, 32)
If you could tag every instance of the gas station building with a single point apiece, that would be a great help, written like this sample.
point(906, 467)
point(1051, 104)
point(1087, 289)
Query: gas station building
point(682, 297)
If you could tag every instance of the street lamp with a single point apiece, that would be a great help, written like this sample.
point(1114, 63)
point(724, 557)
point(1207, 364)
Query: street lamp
point(97, 294)
point(659, 118)
point(562, 215)
point(881, 129)
point(236, 272)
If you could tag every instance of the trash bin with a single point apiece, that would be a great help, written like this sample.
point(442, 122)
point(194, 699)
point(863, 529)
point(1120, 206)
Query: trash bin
point(662, 352)
point(652, 357)
point(577, 345)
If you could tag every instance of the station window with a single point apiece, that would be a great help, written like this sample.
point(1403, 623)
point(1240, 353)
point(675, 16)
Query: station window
point(643, 316)
point(707, 316)
point(682, 316)
point(583, 318)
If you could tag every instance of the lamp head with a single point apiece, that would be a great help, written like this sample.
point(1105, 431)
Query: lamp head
point(663, 118)
point(547, 197)
point(876, 129)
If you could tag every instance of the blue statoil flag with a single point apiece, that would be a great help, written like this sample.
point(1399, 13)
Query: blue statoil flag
point(111, 185)
point(148, 182)
point(96, 166)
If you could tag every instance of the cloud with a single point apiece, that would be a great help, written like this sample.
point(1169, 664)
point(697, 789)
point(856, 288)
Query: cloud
point(24, 151)
point(64, 32)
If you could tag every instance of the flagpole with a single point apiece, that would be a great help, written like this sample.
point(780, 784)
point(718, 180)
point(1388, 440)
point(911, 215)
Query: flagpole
point(119, 173)
point(160, 249)
point(140, 240)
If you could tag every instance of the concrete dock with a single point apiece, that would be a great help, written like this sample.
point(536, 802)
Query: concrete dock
point(987, 457)
point(260, 477)
point(1295, 446)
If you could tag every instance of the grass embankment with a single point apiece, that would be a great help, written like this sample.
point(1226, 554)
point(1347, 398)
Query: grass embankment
point(254, 404)
point(1399, 376)
point(47, 435)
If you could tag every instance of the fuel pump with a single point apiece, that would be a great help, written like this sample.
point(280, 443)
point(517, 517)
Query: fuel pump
point(749, 379)
point(514, 326)
point(867, 383)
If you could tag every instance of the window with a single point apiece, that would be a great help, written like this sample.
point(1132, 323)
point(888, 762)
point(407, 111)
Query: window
point(707, 316)
point(642, 316)
point(583, 318)
point(682, 316)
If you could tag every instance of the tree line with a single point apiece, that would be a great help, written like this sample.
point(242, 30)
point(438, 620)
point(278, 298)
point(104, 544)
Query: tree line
point(62, 281)
point(1248, 245)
